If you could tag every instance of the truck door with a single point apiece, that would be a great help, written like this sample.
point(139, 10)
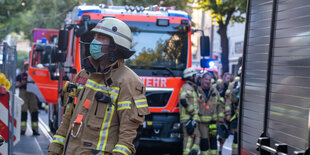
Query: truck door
point(40, 81)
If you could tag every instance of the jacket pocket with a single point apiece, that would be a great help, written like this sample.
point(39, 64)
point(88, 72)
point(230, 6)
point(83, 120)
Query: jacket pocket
point(96, 115)
point(141, 109)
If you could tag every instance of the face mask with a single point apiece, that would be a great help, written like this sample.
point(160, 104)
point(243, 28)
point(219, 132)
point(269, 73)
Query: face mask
point(95, 49)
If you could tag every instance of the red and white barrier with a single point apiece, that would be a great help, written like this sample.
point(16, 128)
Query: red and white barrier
point(4, 120)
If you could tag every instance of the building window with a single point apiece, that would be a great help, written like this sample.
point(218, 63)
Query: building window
point(239, 47)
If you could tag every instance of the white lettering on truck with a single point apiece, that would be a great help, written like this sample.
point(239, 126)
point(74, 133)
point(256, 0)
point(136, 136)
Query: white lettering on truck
point(154, 81)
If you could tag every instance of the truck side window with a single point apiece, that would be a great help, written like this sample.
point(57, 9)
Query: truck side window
point(40, 59)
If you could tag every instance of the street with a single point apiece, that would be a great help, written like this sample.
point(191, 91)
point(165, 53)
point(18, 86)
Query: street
point(38, 145)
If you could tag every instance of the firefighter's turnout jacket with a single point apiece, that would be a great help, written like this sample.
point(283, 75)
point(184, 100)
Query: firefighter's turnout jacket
point(211, 108)
point(224, 92)
point(104, 114)
point(189, 93)
point(211, 112)
point(234, 101)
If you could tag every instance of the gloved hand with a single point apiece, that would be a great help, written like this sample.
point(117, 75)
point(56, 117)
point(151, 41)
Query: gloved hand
point(184, 103)
point(55, 149)
point(193, 152)
point(223, 127)
point(190, 126)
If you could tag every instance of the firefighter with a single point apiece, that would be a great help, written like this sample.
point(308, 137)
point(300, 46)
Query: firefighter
point(209, 113)
point(223, 127)
point(234, 90)
point(106, 100)
point(30, 102)
point(189, 113)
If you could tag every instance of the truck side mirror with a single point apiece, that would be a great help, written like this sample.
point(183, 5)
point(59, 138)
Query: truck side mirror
point(72, 70)
point(63, 39)
point(55, 55)
point(83, 29)
point(205, 46)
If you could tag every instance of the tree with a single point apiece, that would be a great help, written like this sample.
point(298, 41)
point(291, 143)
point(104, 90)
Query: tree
point(44, 14)
point(224, 12)
point(9, 9)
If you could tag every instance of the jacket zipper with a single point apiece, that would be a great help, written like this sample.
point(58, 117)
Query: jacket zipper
point(67, 141)
point(82, 94)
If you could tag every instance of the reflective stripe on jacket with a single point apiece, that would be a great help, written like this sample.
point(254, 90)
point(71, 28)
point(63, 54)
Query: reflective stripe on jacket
point(188, 92)
point(209, 108)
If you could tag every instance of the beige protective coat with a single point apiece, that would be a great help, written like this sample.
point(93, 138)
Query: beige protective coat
point(103, 128)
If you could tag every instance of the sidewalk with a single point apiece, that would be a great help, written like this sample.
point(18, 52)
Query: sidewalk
point(34, 145)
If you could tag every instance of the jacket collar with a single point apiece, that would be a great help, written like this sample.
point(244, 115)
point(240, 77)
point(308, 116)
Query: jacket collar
point(93, 66)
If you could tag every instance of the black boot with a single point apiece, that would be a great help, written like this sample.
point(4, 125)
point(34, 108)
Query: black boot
point(22, 133)
point(35, 133)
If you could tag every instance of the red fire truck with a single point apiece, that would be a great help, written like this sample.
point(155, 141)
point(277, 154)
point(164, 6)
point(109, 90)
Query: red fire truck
point(162, 41)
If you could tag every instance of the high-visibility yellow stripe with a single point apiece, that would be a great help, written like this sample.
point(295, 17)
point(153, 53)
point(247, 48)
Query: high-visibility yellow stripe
point(227, 91)
point(184, 117)
point(23, 123)
point(212, 126)
point(98, 84)
point(123, 108)
point(221, 114)
point(204, 152)
point(196, 147)
point(61, 137)
point(123, 102)
point(102, 142)
point(212, 152)
point(123, 105)
point(234, 145)
point(227, 108)
point(122, 149)
point(234, 117)
point(188, 144)
point(58, 139)
point(141, 100)
point(141, 103)
point(222, 99)
point(100, 87)
point(205, 118)
point(196, 118)
point(35, 124)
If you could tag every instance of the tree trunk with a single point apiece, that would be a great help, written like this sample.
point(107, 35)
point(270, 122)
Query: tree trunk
point(225, 47)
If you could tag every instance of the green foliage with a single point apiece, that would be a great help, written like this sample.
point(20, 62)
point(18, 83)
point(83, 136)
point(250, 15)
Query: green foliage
point(224, 11)
point(21, 56)
point(9, 9)
point(15, 17)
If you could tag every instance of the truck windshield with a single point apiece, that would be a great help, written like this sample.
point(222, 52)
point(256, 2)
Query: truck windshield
point(157, 46)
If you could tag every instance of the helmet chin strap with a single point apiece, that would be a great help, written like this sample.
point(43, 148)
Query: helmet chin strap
point(112, 54)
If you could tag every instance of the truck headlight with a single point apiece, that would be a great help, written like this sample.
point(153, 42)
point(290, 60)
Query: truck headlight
point(176, 126)
point(175, 131)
